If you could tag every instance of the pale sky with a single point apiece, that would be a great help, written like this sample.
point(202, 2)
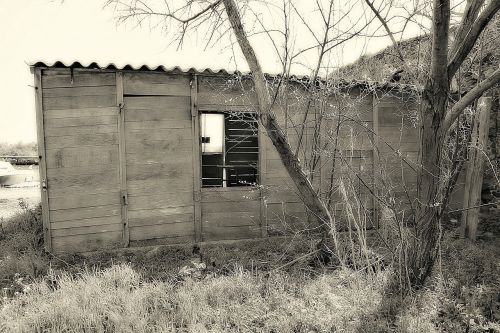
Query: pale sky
point(78, 30)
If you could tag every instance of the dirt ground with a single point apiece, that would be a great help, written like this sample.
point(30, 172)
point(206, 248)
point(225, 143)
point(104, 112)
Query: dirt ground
point(29, 192)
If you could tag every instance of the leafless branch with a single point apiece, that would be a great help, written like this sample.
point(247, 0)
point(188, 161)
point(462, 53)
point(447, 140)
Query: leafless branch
point(470, 97)
point(469, 32)
point(395, 44)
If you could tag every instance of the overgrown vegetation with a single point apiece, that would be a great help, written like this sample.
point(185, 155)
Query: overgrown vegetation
point(21, 248)
point(117, 299)
point(233, 288)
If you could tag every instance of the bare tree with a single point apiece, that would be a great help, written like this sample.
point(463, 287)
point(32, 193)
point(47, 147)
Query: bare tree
point(437, 112)
point(437, 118)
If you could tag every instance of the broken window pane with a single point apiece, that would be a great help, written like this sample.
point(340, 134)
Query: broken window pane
point(230, 149)
point(212, 133)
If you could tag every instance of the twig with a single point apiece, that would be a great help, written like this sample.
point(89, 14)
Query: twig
point(295, 260)
point(478, 206)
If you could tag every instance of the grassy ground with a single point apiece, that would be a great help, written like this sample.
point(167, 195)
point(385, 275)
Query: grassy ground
point(244, 287)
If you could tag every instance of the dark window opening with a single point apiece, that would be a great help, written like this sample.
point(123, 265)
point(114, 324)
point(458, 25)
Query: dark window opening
point(229, 149)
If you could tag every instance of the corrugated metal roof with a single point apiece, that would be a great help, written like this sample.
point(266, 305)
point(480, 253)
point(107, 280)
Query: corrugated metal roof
point(209, 71)
point(113, 66)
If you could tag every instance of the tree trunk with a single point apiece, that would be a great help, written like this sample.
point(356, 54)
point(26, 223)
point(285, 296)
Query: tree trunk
point(432, 136)
point(267, 118)
point(429, 186)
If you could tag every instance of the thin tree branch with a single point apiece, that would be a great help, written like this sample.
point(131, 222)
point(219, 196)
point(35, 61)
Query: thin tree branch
point(313, 78)
point(469, 32)
point(267, 118)
point(393, 39)
point(470, 97)
point(469, 16)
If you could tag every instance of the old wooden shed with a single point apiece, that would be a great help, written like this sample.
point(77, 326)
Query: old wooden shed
point(136, 156)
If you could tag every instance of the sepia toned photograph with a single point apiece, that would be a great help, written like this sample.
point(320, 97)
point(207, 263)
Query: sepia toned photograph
point(273, 166)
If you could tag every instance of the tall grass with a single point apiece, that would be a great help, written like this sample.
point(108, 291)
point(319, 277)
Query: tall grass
point(239, 289)
point(462, 294)
point(119, 300)
point(461, 297)
point(21, 245)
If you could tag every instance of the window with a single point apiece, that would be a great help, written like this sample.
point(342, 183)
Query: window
point(229, 149)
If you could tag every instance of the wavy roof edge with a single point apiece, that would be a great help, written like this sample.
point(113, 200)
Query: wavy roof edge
point(209, 71)
point(113, 66)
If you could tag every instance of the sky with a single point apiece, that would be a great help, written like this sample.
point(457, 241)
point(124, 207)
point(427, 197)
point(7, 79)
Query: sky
point(82, 30)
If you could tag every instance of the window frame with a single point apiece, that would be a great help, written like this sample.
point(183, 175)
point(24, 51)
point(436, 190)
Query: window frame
point(258, 182)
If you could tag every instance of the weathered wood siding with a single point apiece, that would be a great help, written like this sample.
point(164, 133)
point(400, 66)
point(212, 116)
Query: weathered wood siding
point(399, 147)
point(118, 177)
point(349, 157)
point(82, 161)
point(352, 151)
point(159, 157)
point(232, 212)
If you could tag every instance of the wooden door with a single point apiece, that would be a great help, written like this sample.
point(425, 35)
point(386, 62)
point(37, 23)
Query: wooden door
point(159, 157)
point(80, 153)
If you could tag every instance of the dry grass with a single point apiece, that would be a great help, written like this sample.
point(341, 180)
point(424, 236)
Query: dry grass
point(118, 299)
point(234, 288)
point(462, 295)
point(21, 247)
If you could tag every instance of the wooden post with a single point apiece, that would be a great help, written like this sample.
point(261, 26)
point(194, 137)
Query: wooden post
point(47, 238)
point(376, 161)
point(195, 125)
point(475, 167)
point(262, 180)
point(123, 157)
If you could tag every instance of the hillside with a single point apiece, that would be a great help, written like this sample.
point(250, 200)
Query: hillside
point(416, 51)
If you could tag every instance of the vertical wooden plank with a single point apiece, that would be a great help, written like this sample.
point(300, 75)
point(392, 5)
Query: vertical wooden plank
point(475, 166)
point(262, 179)
point(123, 158)
point(195, 124)
point(376, 161)
point(47, 238)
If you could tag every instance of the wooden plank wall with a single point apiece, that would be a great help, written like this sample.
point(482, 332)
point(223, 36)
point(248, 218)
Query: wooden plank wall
point(159, 157)
point(232, 212)
point(82, 136)
point(398, 146)
point(285, 212)
point(351, 111)
point(82, 159)
point(47, 238)
point(349, 157)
